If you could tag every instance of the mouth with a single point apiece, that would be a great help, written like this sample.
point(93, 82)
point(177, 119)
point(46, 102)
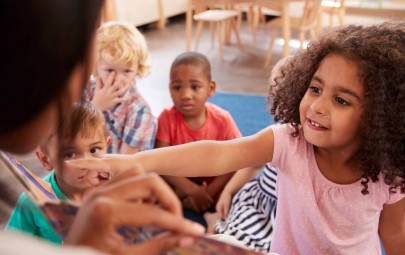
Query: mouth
point(186, 106)
point(315, 125)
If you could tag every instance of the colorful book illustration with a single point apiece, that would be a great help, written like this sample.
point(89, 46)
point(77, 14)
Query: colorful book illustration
point(61, 214)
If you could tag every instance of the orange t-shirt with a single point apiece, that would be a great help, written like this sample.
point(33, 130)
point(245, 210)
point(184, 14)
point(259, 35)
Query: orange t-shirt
point(219, 126)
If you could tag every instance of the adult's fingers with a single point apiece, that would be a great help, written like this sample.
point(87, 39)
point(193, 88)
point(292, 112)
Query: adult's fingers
point(120, 213)
point(140, 188)
point(98, 219)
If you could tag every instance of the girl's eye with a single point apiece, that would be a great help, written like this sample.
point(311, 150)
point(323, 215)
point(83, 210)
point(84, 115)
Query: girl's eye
point(195, 87)
point(314, 89)
point(109, 70)
point(341, 101)
point(128, 71)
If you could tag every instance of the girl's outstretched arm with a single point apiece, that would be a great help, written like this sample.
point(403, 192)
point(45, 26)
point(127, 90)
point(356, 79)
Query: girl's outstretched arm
point(202, 158)
point(392, 227)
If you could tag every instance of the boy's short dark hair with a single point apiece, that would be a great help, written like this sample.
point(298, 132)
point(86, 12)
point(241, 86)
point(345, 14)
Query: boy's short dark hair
point(195, 59)
point(83, 117)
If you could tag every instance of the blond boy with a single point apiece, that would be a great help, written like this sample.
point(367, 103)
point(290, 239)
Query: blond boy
point(121, 57)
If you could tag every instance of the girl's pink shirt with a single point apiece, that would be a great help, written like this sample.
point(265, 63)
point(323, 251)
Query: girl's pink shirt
point(317, 216)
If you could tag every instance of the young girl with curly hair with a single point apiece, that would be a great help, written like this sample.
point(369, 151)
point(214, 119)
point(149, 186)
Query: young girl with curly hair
point(339, 151)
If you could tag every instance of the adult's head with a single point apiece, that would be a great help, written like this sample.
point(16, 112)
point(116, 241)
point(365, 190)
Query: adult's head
point(45, 52)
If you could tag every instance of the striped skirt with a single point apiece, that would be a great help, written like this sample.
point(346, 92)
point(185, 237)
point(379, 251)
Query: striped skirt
point(252, 215)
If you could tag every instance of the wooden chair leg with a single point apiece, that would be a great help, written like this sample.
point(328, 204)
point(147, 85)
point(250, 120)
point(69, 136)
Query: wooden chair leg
point(239, 20)
point(302, 38)
point(213, 27)
point(342, 14)
point(221, 35)
point(200, 26)
point(270, 50)
point(250, 17)
point(235, 30)
point(331, 14)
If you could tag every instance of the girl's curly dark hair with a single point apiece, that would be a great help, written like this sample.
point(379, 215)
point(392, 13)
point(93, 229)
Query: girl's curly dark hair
point(379, 53)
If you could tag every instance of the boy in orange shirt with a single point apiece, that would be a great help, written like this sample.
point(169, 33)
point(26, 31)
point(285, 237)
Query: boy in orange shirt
point(190, 119)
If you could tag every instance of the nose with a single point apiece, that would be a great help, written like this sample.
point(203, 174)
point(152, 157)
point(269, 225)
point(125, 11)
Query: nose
point(319, 105)
point(187, 94)
point(120, 78)
point(87, 155)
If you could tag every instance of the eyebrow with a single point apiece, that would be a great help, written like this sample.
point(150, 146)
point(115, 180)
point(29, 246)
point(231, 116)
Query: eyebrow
point(68, 148)
point(340, 89)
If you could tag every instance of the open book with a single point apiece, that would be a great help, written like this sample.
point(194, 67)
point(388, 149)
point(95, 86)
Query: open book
point(61, 214)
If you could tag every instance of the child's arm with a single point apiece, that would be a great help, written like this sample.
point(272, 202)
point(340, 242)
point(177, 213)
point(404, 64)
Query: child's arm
point(237, 181)
point(207, 158)
point(126, 149)
point(392, 227)
point(184, 187)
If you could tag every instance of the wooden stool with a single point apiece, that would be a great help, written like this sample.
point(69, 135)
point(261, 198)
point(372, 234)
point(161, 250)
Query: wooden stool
point(219, 20)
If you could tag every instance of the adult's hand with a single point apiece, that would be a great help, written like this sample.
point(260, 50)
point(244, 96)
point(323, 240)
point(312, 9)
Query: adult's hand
point(126, 201)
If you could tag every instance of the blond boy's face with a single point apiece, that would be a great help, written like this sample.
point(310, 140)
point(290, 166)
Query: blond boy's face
point(190, 89)
point(72, 180)
point(123, 74)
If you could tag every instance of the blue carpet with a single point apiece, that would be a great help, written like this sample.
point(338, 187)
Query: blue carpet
point(249, 112)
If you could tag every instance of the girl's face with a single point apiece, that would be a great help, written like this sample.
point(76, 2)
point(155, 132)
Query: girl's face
point(190, 89)
point(70, 179)
point(331, 109)
point(124, 74)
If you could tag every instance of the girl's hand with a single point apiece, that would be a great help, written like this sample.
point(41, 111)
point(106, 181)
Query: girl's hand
point(109, 94)
point(224, 204)
point(124, 201)
point(111, 164)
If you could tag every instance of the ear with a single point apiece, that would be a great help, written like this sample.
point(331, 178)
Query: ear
point(44, 159)
point(108, 141)
point(213, 86)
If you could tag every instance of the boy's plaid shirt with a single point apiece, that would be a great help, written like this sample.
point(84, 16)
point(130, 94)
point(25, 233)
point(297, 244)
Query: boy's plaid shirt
point(130, 122)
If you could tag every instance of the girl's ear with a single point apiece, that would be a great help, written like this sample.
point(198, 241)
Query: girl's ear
point(44, 159)
point(213, 86)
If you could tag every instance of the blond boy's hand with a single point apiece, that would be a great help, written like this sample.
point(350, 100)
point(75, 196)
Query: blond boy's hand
point(109, 94)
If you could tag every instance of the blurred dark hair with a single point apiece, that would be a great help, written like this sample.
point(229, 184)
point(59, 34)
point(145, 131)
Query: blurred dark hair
point(41, 44)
